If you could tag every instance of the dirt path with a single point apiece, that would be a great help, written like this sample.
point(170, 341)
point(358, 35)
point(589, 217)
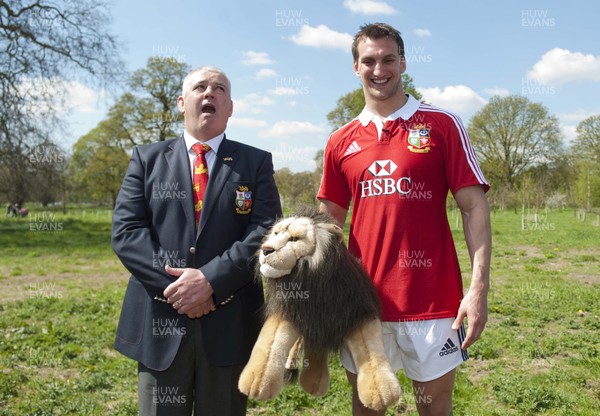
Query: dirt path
point(582, 265)
point(26, 286)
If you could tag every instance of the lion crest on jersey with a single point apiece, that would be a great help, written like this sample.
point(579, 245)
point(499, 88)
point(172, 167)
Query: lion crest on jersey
point(419, 139)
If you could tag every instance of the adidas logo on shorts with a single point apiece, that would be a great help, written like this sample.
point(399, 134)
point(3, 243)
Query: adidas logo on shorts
point(448, 348)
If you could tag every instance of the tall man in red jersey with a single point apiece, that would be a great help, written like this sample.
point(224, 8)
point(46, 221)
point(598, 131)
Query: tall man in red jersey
point(395, 163)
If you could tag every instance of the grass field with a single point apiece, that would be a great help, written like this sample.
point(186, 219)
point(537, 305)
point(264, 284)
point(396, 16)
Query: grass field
point(62, 289)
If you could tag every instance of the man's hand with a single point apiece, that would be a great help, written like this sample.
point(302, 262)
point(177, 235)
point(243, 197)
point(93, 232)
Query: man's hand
point(474, 308)
point(200, 311)
point(191, 293)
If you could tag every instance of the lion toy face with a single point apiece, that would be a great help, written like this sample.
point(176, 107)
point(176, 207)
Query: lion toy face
point(296, 239)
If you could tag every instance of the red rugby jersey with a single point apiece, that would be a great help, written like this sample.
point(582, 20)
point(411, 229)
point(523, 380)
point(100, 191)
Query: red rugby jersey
point(398, 185)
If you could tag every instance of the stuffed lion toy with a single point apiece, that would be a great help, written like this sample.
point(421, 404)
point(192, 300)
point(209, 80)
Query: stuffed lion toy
point(318, 298)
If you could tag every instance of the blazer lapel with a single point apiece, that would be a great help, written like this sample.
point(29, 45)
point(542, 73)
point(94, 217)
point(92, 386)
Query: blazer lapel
point(179, 163)
point(224, 163)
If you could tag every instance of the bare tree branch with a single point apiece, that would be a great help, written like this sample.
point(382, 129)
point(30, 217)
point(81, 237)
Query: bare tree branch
point(45, 43)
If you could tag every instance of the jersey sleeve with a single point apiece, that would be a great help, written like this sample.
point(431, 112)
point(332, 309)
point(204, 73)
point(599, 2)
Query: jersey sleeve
point(462, 168)
point(334, 186)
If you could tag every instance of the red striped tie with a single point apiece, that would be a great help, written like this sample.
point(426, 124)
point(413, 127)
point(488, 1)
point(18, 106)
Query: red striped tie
point(200, 177)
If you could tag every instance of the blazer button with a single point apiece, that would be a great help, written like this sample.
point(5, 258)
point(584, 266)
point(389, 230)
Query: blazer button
point(193, 250)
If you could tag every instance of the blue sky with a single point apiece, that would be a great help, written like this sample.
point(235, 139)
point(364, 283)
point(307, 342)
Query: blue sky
point(289, 61)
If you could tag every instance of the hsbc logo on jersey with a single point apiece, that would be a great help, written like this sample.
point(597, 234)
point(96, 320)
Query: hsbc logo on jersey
point(383, 184)
point(382, 168)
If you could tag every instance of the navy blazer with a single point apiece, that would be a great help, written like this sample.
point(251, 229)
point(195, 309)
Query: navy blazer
point(154, 223)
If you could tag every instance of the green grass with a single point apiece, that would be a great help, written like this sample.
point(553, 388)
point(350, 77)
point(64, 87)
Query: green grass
point(539, 355)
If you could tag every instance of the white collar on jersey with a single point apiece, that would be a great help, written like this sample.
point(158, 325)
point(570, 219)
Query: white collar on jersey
point(405, 112)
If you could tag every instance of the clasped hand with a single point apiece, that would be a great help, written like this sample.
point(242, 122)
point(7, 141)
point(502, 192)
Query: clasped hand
point(191, 294)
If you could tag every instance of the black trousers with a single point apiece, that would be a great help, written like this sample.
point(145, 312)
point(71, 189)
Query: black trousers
point(191, 385)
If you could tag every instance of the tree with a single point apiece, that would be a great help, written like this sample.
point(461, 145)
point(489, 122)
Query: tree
point(554, 178)
point(351, 104)
point(586, 159)
point(319, 162)
point(512, 135)
point(48, 174)
point(46, 39)
point(299, 188)
point(157, 86)
point(98, 165)
point(588, 138)
point(45, 44)
point(146, 114)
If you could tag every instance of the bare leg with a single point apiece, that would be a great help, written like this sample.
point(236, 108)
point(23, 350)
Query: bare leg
point(434, 398)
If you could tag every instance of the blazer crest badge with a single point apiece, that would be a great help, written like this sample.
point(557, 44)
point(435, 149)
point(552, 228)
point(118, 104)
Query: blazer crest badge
point(243, 200)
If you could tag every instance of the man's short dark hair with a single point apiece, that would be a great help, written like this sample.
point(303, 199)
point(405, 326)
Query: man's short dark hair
point(377, 31)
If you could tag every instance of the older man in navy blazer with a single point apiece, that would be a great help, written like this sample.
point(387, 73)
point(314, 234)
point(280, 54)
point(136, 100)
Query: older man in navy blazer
point(191, 313)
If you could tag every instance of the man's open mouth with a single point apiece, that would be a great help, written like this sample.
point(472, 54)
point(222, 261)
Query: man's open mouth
point(209, 108)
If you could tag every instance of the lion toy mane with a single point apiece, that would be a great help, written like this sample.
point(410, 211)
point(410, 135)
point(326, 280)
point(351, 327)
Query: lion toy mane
point(319, 298)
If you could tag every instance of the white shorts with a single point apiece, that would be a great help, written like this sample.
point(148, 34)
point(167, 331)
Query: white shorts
point(425, 349)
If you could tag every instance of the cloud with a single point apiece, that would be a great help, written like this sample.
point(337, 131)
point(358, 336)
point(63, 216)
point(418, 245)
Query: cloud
point(296, 158)
point(291, 128)
point(456, 98)
point(251, 123)
point(577, 116)
point(65, 96)
point(256, 58)
point(569, 122)
point(422, 33)
point(266, 73)
point(322, 37)
point(561, 66)
point(569, 133)
point(81, 98)
point(251, 103)
point(369, 7)
point(502, 92)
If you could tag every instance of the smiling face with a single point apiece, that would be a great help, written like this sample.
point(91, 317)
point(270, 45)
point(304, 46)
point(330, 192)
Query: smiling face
point(206, 103)
point(379, 67)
